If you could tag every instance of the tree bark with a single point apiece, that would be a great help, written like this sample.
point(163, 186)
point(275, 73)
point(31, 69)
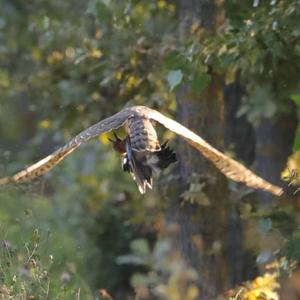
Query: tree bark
point(201, 238)
point(274, 140)
point(239, 133)
point(201, 222)
point(239, 138)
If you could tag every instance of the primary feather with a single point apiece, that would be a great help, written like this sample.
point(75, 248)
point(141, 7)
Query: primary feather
point(140, 119)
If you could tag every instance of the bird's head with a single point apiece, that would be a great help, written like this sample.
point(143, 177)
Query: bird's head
point(118, 144)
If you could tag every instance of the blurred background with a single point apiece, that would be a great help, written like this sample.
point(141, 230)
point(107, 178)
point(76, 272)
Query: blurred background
point(229, 70)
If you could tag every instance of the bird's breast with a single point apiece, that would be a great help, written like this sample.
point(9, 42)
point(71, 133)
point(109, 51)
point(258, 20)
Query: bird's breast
point(142, 135)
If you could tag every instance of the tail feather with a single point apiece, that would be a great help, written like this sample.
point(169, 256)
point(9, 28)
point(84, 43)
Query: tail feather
point(142, 169)
point(142, 174)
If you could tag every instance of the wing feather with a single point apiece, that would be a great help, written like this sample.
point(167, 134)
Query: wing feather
point(228, 166)
point(46, 164)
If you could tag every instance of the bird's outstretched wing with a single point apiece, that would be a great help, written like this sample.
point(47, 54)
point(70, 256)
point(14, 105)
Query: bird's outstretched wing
point(47, 163)
point(228, 166)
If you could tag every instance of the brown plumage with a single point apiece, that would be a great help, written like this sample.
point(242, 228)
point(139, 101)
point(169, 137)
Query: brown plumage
point(138, 122)
point(142, 134)
point(142, 153)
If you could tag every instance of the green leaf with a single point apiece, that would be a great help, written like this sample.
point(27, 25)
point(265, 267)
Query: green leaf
point(100, 9)
point(140, 247)
point(265, 225)
point(173, 60)
point(174, 78)
point(296, 99)
point(260, 104)
point(292, 248)
point(296, 145)
point(200, 81)
point(91, 8)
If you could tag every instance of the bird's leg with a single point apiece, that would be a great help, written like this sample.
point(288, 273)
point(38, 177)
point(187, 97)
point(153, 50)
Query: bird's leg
point(116, 138)
point(119, 145)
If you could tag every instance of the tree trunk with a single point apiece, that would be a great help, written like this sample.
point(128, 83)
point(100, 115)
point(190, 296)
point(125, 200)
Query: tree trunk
point(274, 140)
point(239, 138)
point(201, 216)
point(239, 133)
point(274, 145)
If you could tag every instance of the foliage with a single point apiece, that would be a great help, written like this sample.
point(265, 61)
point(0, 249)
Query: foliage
point(263, 287)
point(167, 274)
point(40, 262)
point(256, 44)
point(64, 66)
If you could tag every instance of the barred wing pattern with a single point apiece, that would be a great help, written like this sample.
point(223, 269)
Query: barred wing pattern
point(47, 163)
point(228, 166)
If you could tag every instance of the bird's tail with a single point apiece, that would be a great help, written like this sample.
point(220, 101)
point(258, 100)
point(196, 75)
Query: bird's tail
point(142, 170)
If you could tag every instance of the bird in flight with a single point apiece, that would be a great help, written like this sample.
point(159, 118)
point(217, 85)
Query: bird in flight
point(142, 153)
point(141, 162)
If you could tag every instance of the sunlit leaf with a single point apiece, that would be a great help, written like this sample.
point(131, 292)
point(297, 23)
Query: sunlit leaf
point(118, 75)
point(263, 287)
point(296, 99)
point(174, 78)
point(55, 57)
point(37, 54)
point(140, 246)
point(89, 180)
point(96, 53)
point(132, 81)
point(4, 79)
point(171, 8)
point(296, 145)
point(44, 124)
point(103, 138)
